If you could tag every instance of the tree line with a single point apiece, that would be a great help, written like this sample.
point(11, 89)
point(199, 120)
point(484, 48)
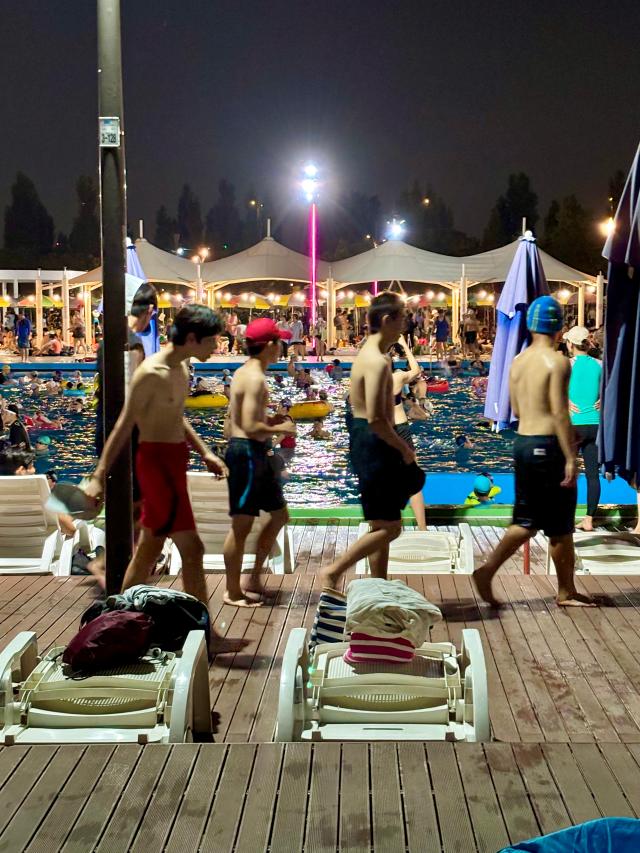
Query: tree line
point(352, 224)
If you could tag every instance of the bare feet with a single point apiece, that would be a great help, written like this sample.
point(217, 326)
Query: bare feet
point(482, 581)
point(97, 569)
point(636, 529)
point(575, 599)
point(585, 525)
point(243, 601)
point(260, 594)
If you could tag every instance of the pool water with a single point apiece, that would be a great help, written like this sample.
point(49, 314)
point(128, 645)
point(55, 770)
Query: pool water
point(319, 474)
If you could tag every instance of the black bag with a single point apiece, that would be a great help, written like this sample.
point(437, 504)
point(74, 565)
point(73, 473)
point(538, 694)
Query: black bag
point(173, 613)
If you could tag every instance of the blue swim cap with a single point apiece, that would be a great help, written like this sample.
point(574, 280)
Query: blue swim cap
point(482, 485)
point(545, 316)
point(43, 439)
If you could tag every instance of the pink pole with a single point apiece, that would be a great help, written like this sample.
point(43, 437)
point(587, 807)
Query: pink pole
point(375, 288)
point(313, 227)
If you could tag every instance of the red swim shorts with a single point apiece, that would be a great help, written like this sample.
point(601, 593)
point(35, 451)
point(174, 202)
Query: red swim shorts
point(162, 474)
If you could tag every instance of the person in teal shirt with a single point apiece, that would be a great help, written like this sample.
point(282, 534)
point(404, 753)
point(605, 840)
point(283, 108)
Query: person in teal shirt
point(584, 408)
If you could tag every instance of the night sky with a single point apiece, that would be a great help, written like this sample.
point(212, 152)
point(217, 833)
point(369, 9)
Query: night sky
point(378, 92)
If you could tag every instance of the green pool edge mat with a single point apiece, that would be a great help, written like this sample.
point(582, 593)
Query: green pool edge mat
point(498, 515)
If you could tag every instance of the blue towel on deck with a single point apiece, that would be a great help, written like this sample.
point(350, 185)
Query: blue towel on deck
point(331, 615)
point(606, 835)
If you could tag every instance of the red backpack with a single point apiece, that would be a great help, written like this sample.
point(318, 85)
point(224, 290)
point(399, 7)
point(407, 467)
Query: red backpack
point(112, 639)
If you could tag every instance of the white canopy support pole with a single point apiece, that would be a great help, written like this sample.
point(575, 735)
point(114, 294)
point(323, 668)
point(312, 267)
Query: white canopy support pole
point(39, 318)
point(455, 313)
point(463, 294)
point(141, 228)
point(88, 318)
point(331, 313)
point(199, 285)
point(524, 225)
point(269, 227)
point(581, 287)
point(16, 290)
point(66, 320)
point(599, 300)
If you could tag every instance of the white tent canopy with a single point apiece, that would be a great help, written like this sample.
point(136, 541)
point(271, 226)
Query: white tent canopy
point(395, 260)
point(268, 260)
point(158, 265)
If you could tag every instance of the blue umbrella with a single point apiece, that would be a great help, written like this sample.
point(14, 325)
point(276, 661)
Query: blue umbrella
point(525, 282)
point(150, 338)
point(619, 435)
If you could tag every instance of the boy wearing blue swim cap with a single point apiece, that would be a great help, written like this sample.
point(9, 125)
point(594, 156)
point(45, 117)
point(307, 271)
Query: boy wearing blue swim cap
point(544, 455)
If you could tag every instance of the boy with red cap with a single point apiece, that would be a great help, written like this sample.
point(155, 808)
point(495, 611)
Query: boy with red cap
point(253, 482)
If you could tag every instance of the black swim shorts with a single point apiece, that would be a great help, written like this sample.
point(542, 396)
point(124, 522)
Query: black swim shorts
point(253, 482)
point(470, 337)
point(541, 502)
point(404, 431)
point(384, 481)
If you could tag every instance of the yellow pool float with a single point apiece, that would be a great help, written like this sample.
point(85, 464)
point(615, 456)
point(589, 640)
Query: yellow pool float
point(310, 410)
point(207, 401)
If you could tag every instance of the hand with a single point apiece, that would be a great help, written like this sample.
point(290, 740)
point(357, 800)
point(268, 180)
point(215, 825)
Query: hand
point(596, 405)
point(215, 465)
point(573, 408)
point(569, 474)
point(408, 455)
point(94, 489)
point(403, 343)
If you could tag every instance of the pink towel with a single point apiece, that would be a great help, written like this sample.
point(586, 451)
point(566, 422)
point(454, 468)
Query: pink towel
point(363, 648)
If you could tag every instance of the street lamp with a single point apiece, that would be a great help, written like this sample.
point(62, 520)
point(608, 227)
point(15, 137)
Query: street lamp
point(607, 227)
point(198, 259)
point(257, 205)
point(310, 185)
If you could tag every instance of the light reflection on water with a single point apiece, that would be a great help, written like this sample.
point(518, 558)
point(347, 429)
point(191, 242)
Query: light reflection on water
point(319, 475)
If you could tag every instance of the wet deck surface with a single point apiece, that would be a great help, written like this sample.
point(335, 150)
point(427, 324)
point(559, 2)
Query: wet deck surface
point(564, 690)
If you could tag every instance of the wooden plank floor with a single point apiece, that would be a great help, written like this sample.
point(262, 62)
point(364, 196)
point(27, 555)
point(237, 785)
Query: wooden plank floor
point(554, 676)
point(321, 798)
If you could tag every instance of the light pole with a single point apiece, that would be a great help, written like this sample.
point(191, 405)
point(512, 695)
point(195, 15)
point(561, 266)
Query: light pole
point(257, 205)
point(199, 259)
point(310, 185)
point(118, 487)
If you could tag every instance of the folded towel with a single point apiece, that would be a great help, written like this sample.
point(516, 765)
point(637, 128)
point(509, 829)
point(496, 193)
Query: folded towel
point(366, 649)
point(328, 624)
point(389, 609)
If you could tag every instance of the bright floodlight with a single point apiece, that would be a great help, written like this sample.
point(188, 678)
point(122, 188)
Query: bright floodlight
point(607, 227)
point(396, 229)
point(311, 170)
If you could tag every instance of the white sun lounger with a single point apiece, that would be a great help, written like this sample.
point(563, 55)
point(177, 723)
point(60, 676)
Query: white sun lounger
point(210, 502)
point(162, 699)
point(440, 695)
point(31, 541)
point(426, 551)
point(603, 552)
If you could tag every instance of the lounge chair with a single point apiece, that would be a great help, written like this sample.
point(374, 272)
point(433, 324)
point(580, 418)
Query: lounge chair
point(440, 695)
point(31, 541)
point(161, 699)
point(210, 501)
point(603, 552)
point(426, 551)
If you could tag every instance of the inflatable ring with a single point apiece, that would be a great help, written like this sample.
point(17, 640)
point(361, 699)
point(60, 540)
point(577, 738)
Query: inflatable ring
point(438, 386)
point(310, 410)
point(74, 392)
point(207, 401)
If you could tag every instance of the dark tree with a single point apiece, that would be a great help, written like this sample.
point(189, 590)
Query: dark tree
point(61, 246)
point(430, 222)
point(616, 186)
point(84, 239)
point(223, 225)
point(189, 219)
point(28, 227)
point(571, 235)
point(166, 230)
point(505, 220)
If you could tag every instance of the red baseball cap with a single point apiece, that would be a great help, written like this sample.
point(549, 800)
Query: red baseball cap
point(264, 330)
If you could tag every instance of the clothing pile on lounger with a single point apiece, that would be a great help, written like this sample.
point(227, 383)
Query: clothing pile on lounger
point(383, 620)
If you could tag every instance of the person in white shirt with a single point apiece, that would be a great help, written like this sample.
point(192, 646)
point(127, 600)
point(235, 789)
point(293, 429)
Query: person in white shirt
point(297, 334)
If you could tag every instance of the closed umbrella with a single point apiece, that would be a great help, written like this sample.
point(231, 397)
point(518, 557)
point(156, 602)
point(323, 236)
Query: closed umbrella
point(525, 282)
point(619, 434)
point(150, 337)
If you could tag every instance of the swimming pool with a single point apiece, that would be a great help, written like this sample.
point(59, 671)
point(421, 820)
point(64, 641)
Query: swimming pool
point(318, 475)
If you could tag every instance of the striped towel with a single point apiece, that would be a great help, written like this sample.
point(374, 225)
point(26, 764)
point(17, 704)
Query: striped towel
point(363, 648)
point(328, 625)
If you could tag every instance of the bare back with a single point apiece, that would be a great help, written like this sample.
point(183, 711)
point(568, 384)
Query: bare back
point(371, 375)
point(156, 399)
point(249, 399)
point(539, 383)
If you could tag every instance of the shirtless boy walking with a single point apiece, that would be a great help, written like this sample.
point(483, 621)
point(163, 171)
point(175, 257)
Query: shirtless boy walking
point(383, 461)
point(253, 481)
point(544, 456)
point(155, 404)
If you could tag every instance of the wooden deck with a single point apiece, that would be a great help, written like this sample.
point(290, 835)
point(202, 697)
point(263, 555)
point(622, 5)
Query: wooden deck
point(564, 690)
point(318, 799)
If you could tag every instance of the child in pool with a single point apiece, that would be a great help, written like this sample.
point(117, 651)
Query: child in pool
point(317, 433)
point(484, 491)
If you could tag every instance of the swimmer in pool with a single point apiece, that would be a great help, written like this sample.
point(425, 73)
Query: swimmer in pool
point(41, 421)
point(318, 433)
point(484, 491)
point(43, 445)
